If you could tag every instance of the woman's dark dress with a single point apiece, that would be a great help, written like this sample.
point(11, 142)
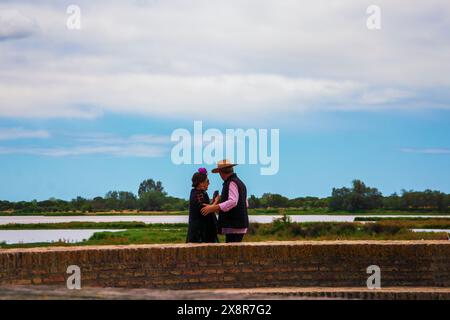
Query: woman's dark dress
point(201, 228)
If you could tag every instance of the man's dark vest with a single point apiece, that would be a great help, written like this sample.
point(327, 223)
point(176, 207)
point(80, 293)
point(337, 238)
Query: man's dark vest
point(237, 217)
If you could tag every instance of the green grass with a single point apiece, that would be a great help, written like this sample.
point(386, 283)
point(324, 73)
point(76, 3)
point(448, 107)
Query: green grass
point(286, 230)
point(139, 236)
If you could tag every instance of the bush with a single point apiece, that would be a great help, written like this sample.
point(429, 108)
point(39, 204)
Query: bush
point(253, 228)
point(297, 230)
point(378, 228)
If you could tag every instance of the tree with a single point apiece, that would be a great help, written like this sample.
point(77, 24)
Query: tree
point(152, 196)
point(150, 185)
point(127, 200)
point(79, 204)
point(253, 202)
point(98, 204)
point(393, 202)
point(274, 200)
point(339, 198)
point(6, 205)
point(359, 197)
point(152, 200)
point(120, 200)
point(112, 200)
point(425, 200)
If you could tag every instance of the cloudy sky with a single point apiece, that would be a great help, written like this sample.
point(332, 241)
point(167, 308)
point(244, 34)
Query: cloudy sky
point(89, 110)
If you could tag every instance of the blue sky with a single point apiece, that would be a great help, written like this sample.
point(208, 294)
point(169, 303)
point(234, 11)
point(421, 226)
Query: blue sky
point(86, 111)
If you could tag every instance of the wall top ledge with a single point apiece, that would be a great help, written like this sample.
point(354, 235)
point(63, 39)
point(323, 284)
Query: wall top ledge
point(244, 244)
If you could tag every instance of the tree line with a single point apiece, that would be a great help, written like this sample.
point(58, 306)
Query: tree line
point(360, 197)
point(151, 196)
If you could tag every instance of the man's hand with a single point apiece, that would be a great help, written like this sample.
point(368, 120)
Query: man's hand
point(209, 208)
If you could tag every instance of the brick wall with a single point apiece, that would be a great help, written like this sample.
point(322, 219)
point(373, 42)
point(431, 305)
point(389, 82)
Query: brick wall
point(265, 264)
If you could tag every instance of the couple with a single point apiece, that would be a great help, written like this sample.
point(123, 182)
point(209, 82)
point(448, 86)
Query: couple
point(231, 206)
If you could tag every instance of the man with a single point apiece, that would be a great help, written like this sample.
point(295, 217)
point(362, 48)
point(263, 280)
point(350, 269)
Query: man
point(233, 216)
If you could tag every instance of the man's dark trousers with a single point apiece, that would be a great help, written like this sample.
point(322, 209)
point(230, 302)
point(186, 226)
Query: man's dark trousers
point(234, 237)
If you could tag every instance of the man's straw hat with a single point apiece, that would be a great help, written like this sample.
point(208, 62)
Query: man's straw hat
point(223, 164)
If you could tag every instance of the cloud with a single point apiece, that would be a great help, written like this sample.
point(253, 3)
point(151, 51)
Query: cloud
point(108, 139)
point(147, 146)
point(259, 58)
point(122, 151)
point(384, 96)
point(14, 25)
point(20, 133)
point(427, 150)
point(169, 95)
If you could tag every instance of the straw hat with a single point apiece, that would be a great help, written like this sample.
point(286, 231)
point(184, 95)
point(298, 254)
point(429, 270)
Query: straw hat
point(223, 164)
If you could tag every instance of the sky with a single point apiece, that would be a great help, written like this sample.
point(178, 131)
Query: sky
point(84, 111)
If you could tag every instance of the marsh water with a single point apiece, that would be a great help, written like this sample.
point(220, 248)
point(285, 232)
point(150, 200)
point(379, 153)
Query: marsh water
point(33, 236)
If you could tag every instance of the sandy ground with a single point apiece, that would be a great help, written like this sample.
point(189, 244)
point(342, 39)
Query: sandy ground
point(57, 293)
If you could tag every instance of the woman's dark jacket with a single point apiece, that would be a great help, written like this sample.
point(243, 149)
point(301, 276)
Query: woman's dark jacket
point(201, 228)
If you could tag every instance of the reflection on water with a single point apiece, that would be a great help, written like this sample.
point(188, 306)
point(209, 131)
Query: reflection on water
point(32, 236)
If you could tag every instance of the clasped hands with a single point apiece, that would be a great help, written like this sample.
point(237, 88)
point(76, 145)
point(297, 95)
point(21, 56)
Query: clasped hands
point(210, 208)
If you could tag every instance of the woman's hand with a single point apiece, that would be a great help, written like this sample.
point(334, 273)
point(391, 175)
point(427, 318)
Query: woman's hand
point(216, 200)
point(209, 208)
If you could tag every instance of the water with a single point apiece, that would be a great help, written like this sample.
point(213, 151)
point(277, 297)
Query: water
point(32, 236)
point(431, 230)
point(180, 219)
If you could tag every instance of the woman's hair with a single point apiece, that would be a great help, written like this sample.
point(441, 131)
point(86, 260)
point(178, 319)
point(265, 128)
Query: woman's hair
point(199, 177)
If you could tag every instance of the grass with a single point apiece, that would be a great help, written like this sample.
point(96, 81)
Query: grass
point(139, 236)
point(285, 230)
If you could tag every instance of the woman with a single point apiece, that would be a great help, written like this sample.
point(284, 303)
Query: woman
point(201, 228)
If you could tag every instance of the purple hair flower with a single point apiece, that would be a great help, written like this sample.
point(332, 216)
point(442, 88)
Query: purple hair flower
point(202, 170)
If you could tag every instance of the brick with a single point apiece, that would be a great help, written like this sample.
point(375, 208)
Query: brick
point(290, 263)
